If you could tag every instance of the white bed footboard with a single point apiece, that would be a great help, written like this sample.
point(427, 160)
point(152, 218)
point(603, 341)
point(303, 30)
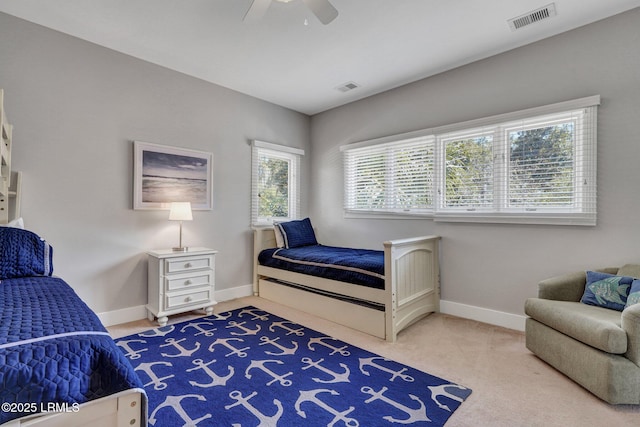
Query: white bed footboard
point(124, 409)
point(412, 277)
point(412, 287)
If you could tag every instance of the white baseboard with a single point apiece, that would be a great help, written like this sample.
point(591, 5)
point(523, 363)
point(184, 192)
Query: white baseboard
point(131, 314)
point(485, 315)
point(116, 317)
point(233, 293)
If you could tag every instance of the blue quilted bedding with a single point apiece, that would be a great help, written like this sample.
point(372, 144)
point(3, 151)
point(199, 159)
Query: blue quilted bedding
point(357, 266)
point(23, 253)
point(53, 348)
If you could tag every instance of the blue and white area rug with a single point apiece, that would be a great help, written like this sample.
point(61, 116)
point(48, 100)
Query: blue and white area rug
point(251, 368)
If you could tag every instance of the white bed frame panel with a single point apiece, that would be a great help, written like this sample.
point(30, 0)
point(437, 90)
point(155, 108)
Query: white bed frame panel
point(357, 317)
point(124, 409)
point(412, 287)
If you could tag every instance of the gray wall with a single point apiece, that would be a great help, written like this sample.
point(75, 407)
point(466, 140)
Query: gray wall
point(76, 108)
point(498, 266)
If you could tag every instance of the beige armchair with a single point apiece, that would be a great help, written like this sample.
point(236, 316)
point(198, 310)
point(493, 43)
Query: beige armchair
point(596, 347)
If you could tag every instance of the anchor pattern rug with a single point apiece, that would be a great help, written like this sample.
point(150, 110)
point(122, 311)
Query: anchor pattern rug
point(248, 367)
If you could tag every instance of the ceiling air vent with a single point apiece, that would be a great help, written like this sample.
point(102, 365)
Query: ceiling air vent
point(537, 15)
point(347, 87)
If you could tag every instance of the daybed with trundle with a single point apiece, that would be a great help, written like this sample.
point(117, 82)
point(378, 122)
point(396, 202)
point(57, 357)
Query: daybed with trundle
point(376, 292)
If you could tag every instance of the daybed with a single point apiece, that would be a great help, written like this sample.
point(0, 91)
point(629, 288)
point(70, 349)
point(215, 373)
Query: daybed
point(595, 342)
point(407, 287)
point(55, 355)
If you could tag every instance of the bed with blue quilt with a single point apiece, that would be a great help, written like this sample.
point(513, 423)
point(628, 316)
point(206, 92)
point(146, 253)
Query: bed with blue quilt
point(58, 364)
point(364, 267)
point(379, 292)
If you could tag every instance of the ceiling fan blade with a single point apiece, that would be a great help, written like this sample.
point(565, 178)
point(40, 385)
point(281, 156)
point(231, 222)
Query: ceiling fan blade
point(323, 10)
point(257, 10)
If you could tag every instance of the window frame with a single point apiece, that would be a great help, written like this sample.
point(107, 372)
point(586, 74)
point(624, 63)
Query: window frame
point(388, 148)
point(584, 211)
point(280, 152)
point(441, 168)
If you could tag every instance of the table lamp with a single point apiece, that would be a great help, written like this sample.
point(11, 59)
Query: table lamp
point(180, 211)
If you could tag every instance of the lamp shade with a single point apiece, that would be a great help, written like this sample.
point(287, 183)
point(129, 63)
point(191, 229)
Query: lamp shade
point(180, 211)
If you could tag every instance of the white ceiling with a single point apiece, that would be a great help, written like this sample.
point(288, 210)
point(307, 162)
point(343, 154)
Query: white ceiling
point(378, 44)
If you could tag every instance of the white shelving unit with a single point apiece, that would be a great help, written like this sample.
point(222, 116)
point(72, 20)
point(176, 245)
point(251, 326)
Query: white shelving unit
point(5, 162)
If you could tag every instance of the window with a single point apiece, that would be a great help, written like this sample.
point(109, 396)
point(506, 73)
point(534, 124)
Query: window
point(531, 166)
point(392, 177)
point(468, 170)
point(275, 183)
point(542, 159)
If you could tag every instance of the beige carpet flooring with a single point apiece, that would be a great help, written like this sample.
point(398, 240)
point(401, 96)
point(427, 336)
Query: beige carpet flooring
point(511, 387)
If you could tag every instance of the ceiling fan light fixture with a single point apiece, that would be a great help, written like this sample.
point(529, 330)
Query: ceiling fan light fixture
point(322, 9)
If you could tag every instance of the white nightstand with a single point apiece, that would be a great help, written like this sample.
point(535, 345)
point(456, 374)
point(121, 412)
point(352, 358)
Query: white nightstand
point(180, 282)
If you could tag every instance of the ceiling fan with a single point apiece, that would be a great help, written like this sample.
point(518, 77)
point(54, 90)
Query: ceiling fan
point(323, 10)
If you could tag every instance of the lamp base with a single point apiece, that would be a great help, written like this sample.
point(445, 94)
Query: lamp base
point(181, 249)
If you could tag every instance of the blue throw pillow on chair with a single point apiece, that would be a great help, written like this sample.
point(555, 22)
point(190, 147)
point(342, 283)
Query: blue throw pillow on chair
point(606, 290)
point(297, 233)
point(634, 294)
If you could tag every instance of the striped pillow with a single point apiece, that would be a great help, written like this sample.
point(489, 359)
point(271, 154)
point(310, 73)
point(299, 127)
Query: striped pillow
point(297, 233)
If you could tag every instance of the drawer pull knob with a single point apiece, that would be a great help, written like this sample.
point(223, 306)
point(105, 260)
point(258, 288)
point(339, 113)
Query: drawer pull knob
point(187, 265)
point(187, 299)
point(187, 282)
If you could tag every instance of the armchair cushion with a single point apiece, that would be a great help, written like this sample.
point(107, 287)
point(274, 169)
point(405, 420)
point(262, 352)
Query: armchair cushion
point(632, 270)
point(594, 326)
point(568, 287)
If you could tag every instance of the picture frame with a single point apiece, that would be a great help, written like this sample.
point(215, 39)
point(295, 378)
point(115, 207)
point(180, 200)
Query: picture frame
point(164, 174)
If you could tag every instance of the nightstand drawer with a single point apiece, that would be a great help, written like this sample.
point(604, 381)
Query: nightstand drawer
point(193, 298)
point(188, 280)
point(188, 263)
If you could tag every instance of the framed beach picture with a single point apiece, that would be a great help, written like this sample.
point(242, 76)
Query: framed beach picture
point(164, 174)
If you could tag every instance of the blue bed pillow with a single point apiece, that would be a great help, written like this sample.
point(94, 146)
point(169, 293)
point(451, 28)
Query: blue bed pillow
point(634, 293)
point(23, 253)
point(297, 233)
point(606, 290)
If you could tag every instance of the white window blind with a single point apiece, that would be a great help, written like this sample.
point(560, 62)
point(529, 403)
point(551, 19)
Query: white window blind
point(468, 170)
point(275, 190)
point(391, 177)
point(539, 169)
point(533, 166)
point(549, 161)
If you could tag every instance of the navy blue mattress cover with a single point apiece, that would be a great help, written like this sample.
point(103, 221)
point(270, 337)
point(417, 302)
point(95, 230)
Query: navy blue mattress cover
point(53, 348)
point(363, 267)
